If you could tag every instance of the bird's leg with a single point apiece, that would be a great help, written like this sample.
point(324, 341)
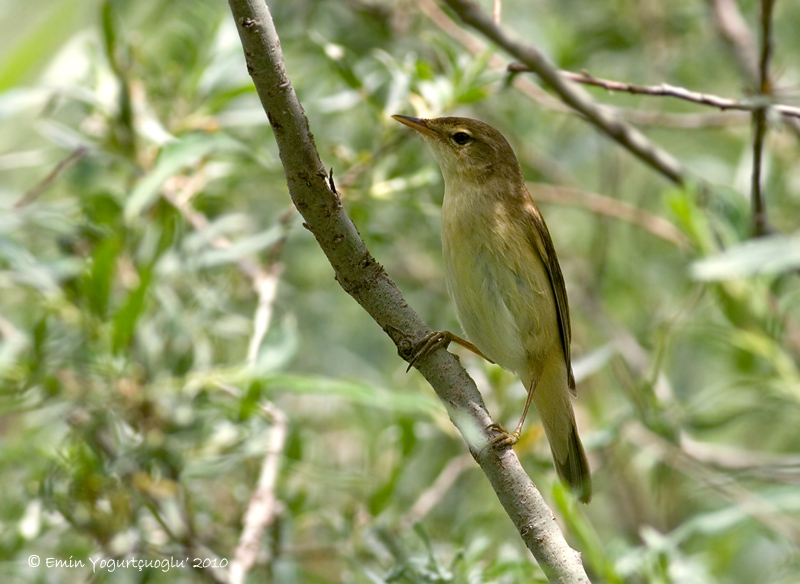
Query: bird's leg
point(439, 339)
point(505, 439)
point(467, 345)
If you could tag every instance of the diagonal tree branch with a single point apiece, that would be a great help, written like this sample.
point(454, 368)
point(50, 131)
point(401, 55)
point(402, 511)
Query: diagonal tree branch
point(574, 96)
point(531, 90)
point(365, 279)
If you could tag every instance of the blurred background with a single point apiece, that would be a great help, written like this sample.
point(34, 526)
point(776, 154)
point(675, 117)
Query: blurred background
point(160, 300)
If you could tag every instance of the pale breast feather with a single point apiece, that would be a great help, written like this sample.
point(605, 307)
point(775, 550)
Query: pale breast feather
point(499, 290)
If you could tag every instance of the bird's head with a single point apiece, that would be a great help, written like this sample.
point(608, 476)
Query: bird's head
point(466, 149)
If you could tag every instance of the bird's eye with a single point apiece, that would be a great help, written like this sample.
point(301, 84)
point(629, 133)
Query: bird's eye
point(461, 138)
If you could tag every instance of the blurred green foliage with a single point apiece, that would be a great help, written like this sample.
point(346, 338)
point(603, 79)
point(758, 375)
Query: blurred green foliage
point(143, 199)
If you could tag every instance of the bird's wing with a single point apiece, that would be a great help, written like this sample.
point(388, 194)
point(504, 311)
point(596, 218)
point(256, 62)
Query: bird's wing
point(544, 246)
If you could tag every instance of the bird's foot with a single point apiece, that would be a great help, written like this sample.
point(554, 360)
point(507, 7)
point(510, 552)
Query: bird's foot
point(438, 339)
point(428, 345)
point(502, 438)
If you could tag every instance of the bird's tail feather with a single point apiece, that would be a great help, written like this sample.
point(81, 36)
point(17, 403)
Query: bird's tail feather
point(552, 400)
point(574, 470)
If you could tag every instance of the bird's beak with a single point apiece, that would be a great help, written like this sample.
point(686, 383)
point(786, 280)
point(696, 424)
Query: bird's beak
point(418, 124)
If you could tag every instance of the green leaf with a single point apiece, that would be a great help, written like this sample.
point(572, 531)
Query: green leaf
point(776, 254)
point(97, 284)
point(41, 41)
point(244, 247)
point(126, 317)
point(356, 392)
point(175, 156)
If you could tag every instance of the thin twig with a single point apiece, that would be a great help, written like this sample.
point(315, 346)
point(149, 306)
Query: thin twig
point(187, 540)
point(367, 282)
point(733, 29)
point(179, 191)
point(698, 460)
point(758, 507)
point(665, 90)
point(611, 208)
point(575, 97)
point(524, 85)
point(51, 177)
point(263, 504)
point(765, 53)
point(760, 127)
point(683, 121)
point(266, 287)
point(737, 35)
point(265, 283)
point(433, 494)
point(766, 465)
point(759, 219)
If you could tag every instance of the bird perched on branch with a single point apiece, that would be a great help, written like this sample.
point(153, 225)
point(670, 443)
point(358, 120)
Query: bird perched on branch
point(503, 275)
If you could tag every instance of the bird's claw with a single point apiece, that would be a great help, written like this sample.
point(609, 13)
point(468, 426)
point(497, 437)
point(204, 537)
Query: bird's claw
point(428, 345)
point(503, 439)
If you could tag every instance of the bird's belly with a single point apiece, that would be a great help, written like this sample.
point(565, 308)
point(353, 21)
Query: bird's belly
point(505, 309)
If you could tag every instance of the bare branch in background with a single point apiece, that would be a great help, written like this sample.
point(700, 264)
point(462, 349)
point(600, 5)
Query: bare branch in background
point(759, 218)
point(760, 226)
point(263, 504)
point(733, 29)
point(737, 35)
point(765, 465)
point(366, 280)
point(665, 90)
point(683, 121)
point(431, 496)
point(179, 191)
point(575, 97)
point(265, 283)
point(754, 504)
point(609, 207)
point(765, 53)
point(52, 176)
point(528, 88)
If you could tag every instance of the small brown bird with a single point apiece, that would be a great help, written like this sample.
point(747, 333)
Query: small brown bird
point(503, 275)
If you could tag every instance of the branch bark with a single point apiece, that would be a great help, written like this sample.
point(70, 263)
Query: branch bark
point(367, 282)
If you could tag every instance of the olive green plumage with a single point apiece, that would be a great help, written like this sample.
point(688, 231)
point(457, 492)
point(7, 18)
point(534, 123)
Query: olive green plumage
point(504, 278)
